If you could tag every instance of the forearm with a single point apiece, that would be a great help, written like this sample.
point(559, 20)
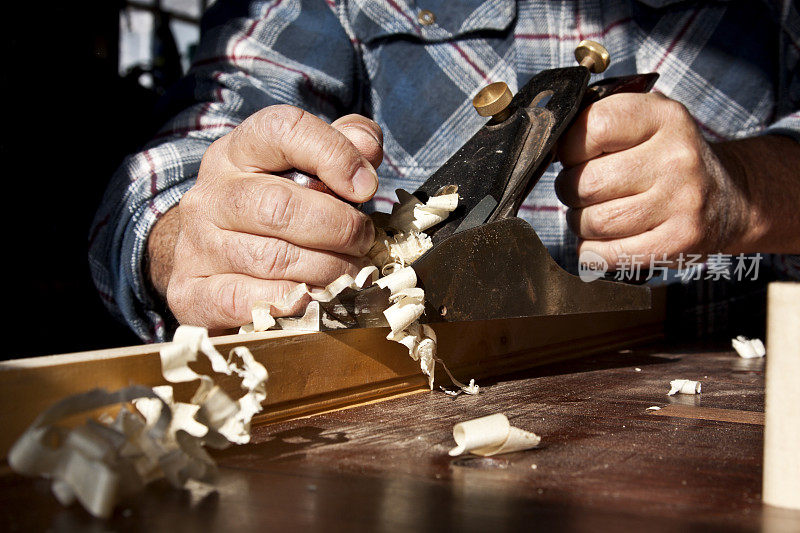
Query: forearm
point(160, 251)
point(765, 171)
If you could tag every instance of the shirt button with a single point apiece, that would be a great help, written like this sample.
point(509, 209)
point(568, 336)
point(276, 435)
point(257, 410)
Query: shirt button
point(426, 18)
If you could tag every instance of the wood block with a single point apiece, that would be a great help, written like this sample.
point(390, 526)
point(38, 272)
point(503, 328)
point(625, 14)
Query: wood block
point(314, 372)
point(782, 429)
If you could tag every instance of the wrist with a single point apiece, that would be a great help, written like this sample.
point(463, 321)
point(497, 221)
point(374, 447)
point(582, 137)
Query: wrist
point(764, 192)
point(745, 235)
point(159, 252)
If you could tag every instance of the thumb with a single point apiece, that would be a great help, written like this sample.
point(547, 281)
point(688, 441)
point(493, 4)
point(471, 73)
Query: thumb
point(365, 135)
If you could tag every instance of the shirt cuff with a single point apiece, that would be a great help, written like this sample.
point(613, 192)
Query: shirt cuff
point(788, 126)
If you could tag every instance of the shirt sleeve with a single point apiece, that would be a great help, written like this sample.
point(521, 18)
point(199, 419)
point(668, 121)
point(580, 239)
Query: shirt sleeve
point(788, 106)
point(788, 98)
point(246, 60)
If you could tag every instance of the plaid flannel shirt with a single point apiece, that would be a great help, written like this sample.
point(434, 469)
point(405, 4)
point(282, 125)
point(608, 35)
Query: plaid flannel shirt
point(733, 64)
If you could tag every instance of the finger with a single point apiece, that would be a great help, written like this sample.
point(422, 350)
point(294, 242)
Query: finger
point(614, 219)
point(271, 258)
point(625, 251)
point(226, 300)
point(276, 207)
point(281, 137)
point(365, 135)
point(605, 178)
point(612, 124)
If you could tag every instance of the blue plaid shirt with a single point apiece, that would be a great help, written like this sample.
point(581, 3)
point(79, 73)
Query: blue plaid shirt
point(733, 64)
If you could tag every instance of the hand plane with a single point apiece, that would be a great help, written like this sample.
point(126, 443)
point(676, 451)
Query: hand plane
point(485, 262)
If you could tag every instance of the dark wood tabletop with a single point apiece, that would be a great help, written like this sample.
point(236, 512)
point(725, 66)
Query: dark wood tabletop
point(605, 462)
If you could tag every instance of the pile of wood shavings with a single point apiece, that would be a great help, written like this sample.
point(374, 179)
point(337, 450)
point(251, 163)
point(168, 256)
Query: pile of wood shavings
point(399, 241)
point(105, 460)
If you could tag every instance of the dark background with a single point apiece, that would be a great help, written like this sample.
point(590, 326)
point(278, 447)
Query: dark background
point(69, 118)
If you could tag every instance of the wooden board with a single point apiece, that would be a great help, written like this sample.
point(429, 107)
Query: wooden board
point(313, 372)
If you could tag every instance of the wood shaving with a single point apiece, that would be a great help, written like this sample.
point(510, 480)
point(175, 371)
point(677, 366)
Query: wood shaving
point(262, 310)
point(684, 386)
point(408, 220)
point(748, 348)
point(399, 241)
point(491, 435)
point(152, 437)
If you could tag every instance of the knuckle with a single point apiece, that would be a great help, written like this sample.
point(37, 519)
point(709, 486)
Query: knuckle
point(278, 121)
point(685, 158)
point(228, 299)
point(591, 185)
point(355, 232)
point(602, 124)
point(593, 222)
point(214, 151)
point(675, 109)
point(278, 257)
point(605, 217)
point(178, 298)
point(190, 202)
point(274, 206)
point(212, 158)
point(693, 199)
point(338, 154)
point(619, 250)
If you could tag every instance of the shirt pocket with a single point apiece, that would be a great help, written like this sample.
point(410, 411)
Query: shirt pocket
point(421, 77)
point(449, 19)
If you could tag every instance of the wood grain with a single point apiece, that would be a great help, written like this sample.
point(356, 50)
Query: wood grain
point(711, 413)
point(314, 372)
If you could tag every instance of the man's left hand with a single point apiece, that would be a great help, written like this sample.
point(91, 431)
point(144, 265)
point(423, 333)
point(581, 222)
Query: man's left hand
point(640, 179)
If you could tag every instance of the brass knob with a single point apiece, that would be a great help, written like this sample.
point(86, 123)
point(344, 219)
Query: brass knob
point(492, 101)
point(593, 56)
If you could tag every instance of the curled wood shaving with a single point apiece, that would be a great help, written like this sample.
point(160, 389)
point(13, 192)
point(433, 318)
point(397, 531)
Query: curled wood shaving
point(748, 348)
point(152, 437)
point(491, 435)
point(262, 310)
point(410, 214)
point(408, 219)
point(684, 386)
point(399, 241)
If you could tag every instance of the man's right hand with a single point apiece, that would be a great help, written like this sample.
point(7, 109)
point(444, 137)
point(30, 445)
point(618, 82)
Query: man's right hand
point(245, 235)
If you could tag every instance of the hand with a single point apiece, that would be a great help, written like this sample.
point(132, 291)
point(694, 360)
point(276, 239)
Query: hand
point(640, 179)
point(246, 235)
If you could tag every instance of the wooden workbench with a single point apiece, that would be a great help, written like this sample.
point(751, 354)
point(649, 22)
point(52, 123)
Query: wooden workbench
point(605, 463)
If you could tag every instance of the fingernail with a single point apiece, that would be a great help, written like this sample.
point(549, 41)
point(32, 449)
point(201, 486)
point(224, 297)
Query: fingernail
point(365, 182)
